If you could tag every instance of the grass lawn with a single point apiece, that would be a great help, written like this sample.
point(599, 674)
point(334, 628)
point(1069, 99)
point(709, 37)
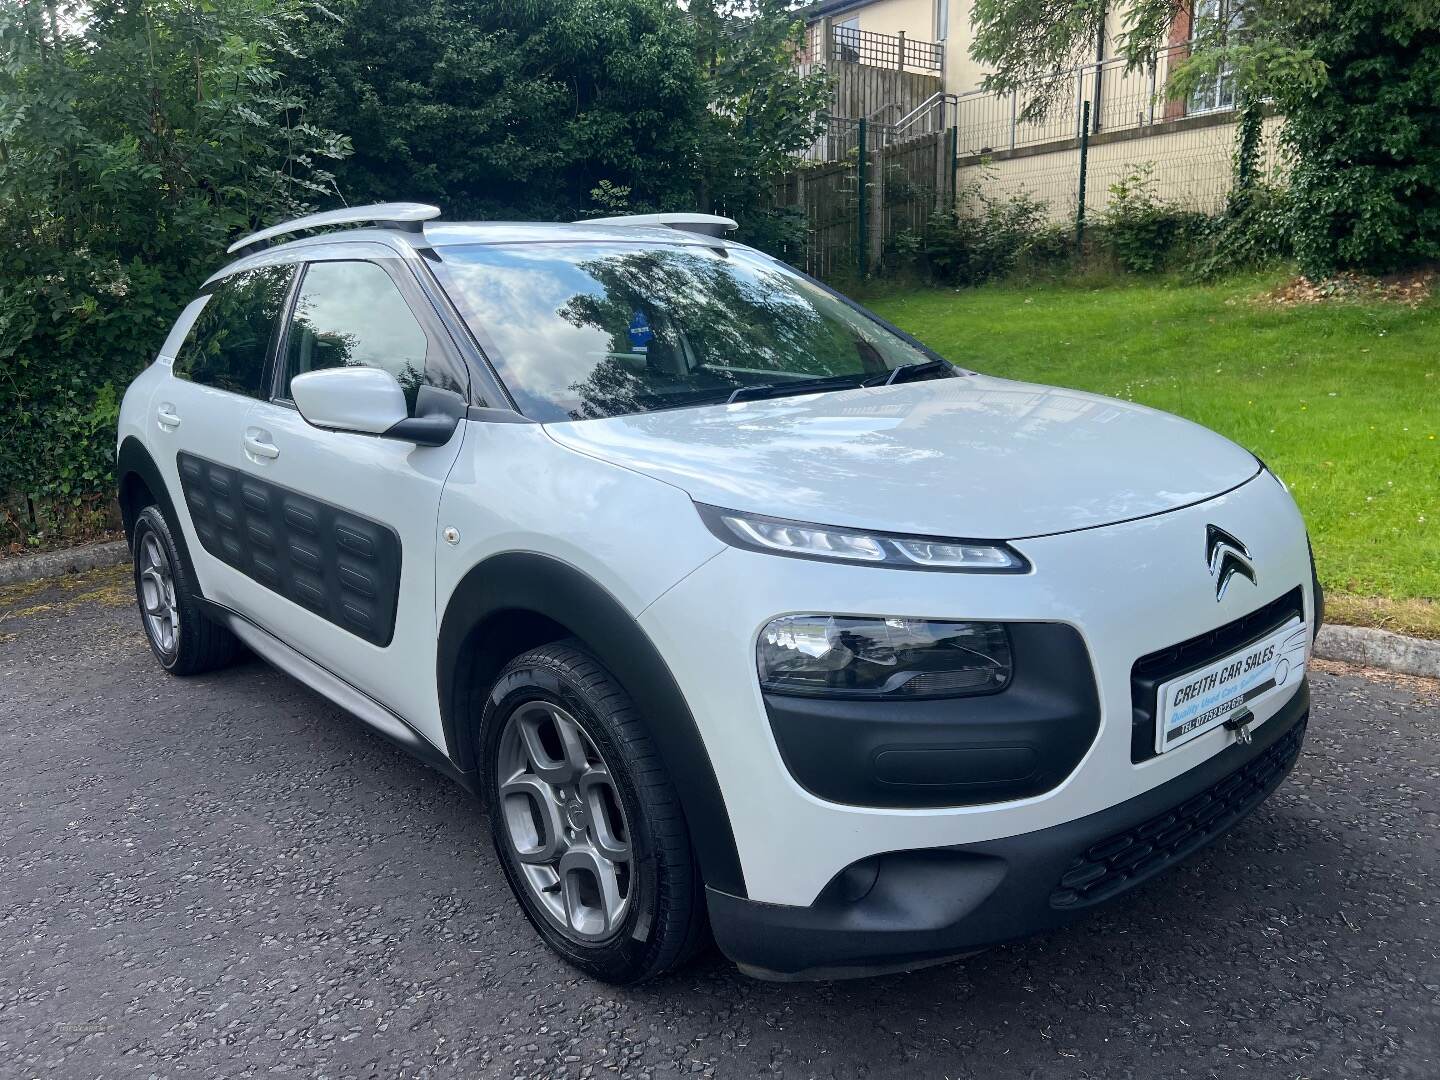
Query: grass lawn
point(1341, 399)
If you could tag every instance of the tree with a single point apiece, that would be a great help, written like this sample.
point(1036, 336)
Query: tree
point(1358, 82)
point(761, 109)
point(136, 136)
point(558, 108)
point(509, 108)
point(1253, 40)
point(1365, 189)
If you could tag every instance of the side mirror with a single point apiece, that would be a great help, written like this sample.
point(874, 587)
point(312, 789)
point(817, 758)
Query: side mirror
point(369, 401)
point(362, 399)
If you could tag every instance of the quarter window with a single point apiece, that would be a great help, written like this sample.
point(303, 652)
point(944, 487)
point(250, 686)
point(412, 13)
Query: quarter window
point(229, 344)
point(352, 314)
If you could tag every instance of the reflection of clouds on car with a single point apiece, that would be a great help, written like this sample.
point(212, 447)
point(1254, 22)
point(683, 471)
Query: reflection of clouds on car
point(510, 305)
point(587, 330)
point(351, 314)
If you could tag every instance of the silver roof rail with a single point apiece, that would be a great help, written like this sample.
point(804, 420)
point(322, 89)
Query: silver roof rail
point(704, 224)
point(406, 215)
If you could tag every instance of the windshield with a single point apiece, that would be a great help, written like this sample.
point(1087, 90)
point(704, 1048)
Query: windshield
point(580, 331)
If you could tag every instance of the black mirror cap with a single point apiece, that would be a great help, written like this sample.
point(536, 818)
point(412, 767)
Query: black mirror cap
point(438, 413)
point(424, 430)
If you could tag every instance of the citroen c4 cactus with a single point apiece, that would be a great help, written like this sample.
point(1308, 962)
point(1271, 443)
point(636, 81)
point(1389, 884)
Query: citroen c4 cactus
point(742, 612)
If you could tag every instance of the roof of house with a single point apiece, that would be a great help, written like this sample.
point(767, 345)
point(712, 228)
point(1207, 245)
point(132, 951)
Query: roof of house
point(822, 8)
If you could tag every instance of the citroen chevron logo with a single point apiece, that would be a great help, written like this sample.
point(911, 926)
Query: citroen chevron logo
point(1226, 557)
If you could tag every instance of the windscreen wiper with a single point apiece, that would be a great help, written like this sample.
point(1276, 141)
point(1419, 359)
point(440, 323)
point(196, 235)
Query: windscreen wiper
point(906, 372)
point(804, 386)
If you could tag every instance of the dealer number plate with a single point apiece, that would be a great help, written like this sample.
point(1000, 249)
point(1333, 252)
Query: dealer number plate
point(1205, 698)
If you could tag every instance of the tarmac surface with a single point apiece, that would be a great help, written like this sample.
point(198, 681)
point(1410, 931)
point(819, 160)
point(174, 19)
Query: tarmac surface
point(227, 877)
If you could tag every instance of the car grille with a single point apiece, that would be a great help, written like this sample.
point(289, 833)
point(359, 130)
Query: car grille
point(1124, 860)
point(1158, 667)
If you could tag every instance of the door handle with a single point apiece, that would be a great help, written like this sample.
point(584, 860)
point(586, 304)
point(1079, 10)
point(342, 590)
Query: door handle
point(257, 444)
point(167, 416)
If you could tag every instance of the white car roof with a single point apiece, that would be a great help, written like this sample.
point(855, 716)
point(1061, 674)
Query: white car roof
point(441, 234)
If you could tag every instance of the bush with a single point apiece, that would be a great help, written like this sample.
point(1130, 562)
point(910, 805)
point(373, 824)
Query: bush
point(1049, 251)
point(1254, 233)
point(983, 238)
point(986, 238)
point(1143, 233)
point(1365, 189)
point(780, 230)
point(137, 140)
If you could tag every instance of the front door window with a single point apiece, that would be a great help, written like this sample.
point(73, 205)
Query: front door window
point(351, 314)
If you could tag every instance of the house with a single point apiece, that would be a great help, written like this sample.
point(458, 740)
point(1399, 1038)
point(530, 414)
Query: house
point(905, 67)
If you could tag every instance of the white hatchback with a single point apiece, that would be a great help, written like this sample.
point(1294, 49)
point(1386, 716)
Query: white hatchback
point(736, 606)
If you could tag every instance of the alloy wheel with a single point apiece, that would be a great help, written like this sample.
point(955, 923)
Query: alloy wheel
point(157, 595)
point(564, 822)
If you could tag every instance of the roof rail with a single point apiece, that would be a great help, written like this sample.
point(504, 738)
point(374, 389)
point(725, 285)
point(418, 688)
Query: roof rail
point(704, 224)
point(403, 215)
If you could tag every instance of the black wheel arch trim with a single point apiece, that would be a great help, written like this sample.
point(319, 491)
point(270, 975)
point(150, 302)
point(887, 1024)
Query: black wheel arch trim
point(527, 584)
point(133, 459)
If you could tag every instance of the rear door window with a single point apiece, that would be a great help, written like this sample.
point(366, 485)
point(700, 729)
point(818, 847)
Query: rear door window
point(229, 345)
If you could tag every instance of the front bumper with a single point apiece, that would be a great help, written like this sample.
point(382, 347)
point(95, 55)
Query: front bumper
point(1126, 589)
point(906, 909)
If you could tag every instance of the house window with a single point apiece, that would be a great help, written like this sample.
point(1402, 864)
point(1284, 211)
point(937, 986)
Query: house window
point(1216, 93)
point(942, 19)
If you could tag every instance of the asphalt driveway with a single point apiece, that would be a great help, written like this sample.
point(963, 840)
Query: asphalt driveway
point(226, 876)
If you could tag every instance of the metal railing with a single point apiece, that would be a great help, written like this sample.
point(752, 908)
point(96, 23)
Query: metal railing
point(987, 122)
point(1120, 100)
point(935, 113)
point(841, 138)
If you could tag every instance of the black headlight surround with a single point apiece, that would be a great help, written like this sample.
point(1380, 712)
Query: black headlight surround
point(713, 517)
point(913, 753)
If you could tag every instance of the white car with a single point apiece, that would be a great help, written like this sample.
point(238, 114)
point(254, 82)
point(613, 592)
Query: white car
point(737, 607)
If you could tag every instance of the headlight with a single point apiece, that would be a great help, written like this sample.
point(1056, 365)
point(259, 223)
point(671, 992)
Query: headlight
point(841, 656)
point(780, 536)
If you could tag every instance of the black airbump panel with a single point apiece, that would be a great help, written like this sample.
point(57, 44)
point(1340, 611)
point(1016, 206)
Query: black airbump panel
point(343, 567)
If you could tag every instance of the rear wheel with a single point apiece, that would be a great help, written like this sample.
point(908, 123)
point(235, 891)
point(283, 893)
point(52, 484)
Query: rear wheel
point(182, 636)
point(585, 820)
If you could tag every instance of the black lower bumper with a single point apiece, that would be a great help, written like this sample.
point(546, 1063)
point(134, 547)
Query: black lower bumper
point(905, 909)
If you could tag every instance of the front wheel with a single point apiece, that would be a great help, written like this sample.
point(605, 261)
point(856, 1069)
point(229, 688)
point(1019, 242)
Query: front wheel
point(585, 820)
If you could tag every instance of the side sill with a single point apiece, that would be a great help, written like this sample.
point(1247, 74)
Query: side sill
point(339, 692)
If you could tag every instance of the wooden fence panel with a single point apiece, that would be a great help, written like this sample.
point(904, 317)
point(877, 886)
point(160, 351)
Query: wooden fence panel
point(880, 95)
point(912, 185)
point(830, 197)
point(906, 183)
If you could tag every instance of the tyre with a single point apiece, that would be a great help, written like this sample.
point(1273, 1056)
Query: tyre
point(182, 636)
point(585, 819)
